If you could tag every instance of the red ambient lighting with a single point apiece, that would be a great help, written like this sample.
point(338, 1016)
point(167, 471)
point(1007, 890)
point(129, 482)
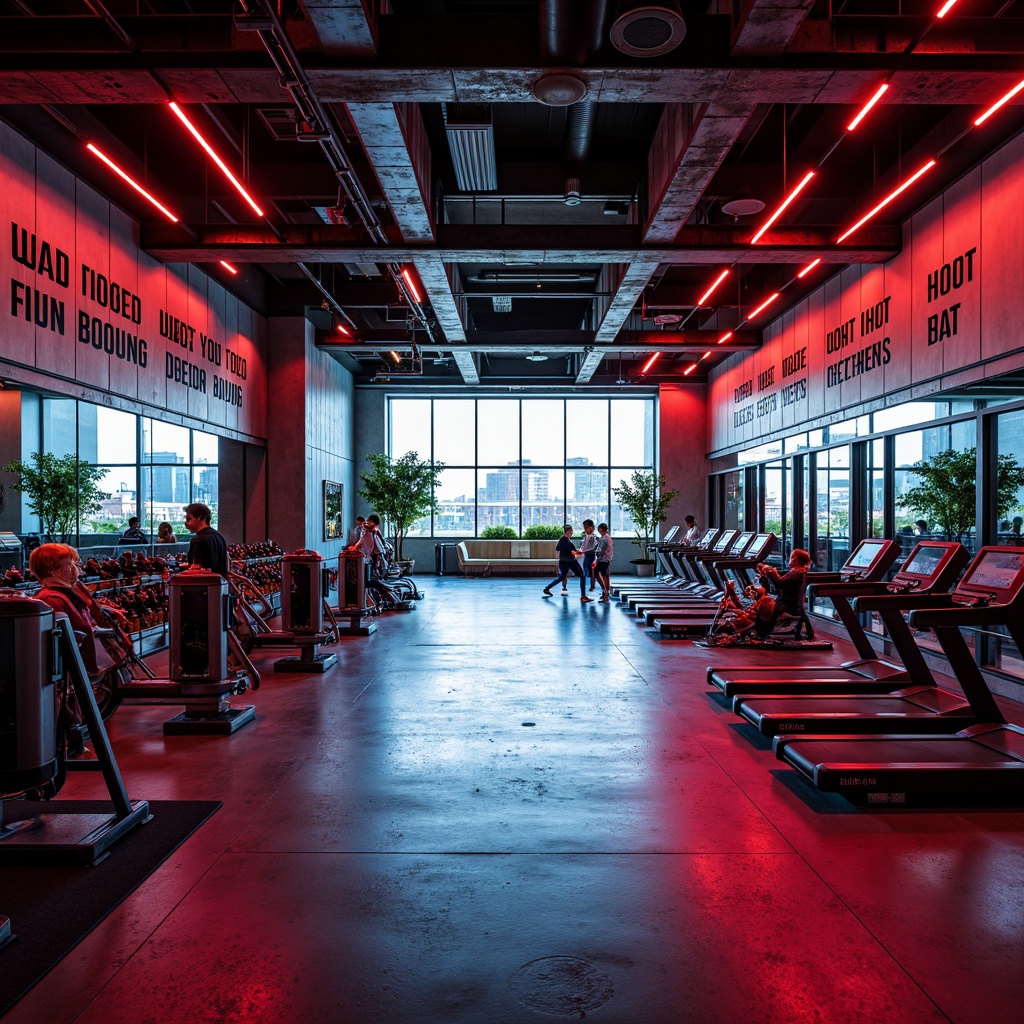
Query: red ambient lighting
point(227, 266)
point(945, 8)
point(867, 106)
point(810, 266)
point(138, 188)
point(718, 280)
point(412, 287)
point(343, 331)
point(180, 114)
point(764, 305)
point(775, 216)
point(650, 362)
point(689, 369)
point(888, 199)
point(724, 337)
point(995, 106)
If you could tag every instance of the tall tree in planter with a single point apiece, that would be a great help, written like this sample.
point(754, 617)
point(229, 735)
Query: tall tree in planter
point(646, 500)
point(947, 487)
point(61, 490)
point(400, 491)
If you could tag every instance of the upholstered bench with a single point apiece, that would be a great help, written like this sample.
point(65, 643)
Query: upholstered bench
point(507, 557)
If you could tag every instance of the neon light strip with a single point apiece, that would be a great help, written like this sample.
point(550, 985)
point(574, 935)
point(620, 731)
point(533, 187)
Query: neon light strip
point(718, 280)
point(706, 354)
point(138, 188)
point(810, 266)
point(995, 106)
point(888, 199)
point(767, 302)
point(650, 362)
point(945, 8)
point(343, 331)
point(775, 216)
point(867, 106)
point(689, 369)
point(397, 358)
point(227, 266)
point(213, 156)
point(412, 287)
point(724, 337)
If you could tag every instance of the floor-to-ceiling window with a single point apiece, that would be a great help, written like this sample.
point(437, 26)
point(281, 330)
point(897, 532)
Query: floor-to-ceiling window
point(524, 462)
point(150, 469)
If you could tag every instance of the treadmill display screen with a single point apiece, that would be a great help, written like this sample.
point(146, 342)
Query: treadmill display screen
point(865, 555)
point(995, 570)
point(925, 562)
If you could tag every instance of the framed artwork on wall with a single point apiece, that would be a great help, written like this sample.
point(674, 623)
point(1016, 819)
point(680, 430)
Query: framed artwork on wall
point(333, 525)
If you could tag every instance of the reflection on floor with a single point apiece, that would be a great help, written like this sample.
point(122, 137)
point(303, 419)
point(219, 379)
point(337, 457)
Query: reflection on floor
point(502, 809)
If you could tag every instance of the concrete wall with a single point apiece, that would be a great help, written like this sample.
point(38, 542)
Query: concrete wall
point(311, 417)
point(682, 444)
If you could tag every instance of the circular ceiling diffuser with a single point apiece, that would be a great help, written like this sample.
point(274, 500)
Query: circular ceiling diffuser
point(742, 207)
point(559, 89)
point(647, 30)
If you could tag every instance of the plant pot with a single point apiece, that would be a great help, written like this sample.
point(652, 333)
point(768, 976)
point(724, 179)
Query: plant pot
point(643, 568)
point(406, 565)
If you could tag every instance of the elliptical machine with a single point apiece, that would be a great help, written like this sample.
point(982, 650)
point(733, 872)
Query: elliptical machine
point(41, 671)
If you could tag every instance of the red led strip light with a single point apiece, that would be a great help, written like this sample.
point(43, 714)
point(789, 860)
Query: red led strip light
point(412, 287)
point(775, 216)
point(227, 266)
point(888, 199)
point(867, 106)
point(767, 302)
point(718, 280)
point(650, 362)
point(995, 106)
point(134, 184)
point(180, 114)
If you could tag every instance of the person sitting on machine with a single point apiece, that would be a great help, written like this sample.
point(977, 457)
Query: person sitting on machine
point(790, 588)
point(57, 568)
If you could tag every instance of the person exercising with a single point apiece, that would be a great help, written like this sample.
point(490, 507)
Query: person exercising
point(207, 548)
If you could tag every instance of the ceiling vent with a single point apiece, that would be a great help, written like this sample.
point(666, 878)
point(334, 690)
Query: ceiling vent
point(279, 121)
point(471, 142)
point(647, 30)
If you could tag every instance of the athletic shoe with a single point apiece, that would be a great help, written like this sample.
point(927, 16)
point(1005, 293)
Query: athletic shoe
point(603, 597)
point(586, 600)
point(565, 593)
point(547, 593)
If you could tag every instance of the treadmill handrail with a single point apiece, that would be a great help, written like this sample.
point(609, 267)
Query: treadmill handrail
point(908, 601)
point(960, 615)
point(846, 589)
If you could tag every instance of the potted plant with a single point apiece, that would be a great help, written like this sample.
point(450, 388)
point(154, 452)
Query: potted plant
point(401, 491)
point(646, 501)
point(61, 490)
point(946, 491)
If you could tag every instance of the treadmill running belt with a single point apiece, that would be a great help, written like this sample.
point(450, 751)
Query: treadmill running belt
point(881, 751)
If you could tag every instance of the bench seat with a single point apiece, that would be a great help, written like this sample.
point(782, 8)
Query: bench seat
point(508, 557)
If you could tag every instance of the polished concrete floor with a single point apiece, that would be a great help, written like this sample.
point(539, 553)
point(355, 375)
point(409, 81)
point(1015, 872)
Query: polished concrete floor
point(506, 809)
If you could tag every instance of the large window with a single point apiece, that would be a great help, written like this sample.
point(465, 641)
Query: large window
point(517, 463)
point(150, 469)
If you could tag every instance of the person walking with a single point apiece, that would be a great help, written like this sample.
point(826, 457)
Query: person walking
point(567, 563)
point(588, 546)
point(603, 554)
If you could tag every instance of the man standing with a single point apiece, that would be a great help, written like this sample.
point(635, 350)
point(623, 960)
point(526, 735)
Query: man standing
point(589, 547)
point(356, 532)
point(692, 534)
point(207, 548)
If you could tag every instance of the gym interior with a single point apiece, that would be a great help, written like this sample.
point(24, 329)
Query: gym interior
point(751, 263)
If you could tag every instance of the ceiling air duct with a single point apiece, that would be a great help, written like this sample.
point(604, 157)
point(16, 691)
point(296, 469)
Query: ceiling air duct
point(470, 134)
point(647, 30)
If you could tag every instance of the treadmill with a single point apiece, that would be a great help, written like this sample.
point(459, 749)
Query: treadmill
point(699, 581)
point(985, 759)
point(922, 706)
point(688, 615)
point(869, 561)
point(671, 553)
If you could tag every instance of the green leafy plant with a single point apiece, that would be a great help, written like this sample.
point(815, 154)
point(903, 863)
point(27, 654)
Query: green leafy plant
point(543, 531)
point(498, 533)
point(646, 500)
point(61, 490)
point(400, 491)
point(946, 491)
